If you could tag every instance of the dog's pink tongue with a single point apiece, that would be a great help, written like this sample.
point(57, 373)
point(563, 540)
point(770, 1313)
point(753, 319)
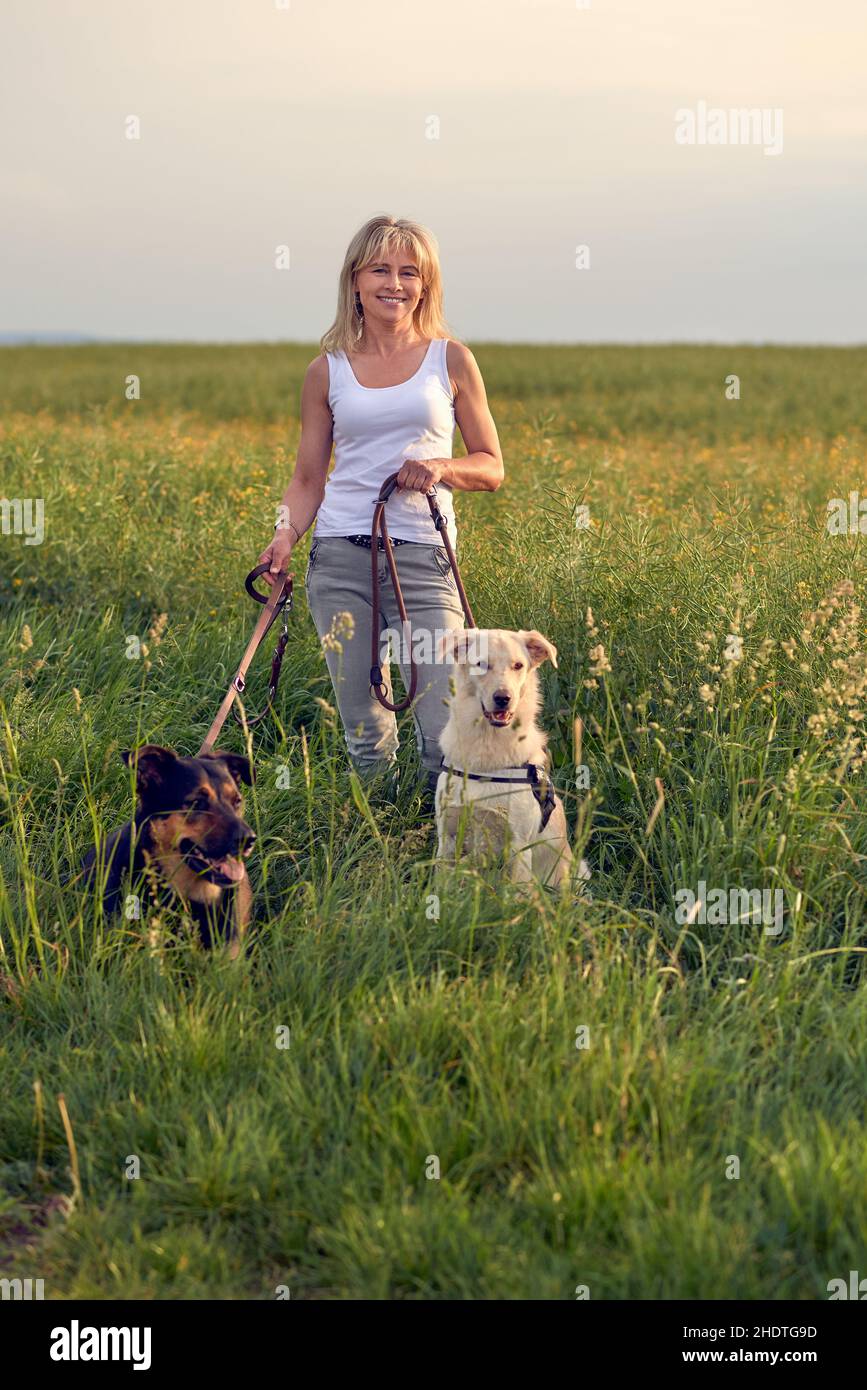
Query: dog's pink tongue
point(232, 869)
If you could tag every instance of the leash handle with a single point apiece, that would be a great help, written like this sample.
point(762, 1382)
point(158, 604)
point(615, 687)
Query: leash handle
point(377, 684)
point(388, 487)
point(278, 601)
point(249, 585)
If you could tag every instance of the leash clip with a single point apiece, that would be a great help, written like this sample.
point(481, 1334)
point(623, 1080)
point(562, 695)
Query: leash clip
point(239, 684)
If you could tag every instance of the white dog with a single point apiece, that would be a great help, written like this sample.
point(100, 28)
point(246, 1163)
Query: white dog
point(495, 759)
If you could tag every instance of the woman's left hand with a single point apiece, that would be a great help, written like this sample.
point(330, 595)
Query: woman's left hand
point(420, 475)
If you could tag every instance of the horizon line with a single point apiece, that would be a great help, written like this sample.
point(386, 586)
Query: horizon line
point(43, 340)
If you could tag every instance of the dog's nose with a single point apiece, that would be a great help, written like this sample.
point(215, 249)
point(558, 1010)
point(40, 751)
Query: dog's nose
point(243, 836)
point(502, 699)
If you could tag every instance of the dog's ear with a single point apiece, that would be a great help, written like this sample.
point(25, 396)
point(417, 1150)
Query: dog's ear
point(239, 766)
point(152, 765)
point(539, 649)
point(462, 645)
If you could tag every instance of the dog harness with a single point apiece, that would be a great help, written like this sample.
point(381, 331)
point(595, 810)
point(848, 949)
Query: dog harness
point(541, 787)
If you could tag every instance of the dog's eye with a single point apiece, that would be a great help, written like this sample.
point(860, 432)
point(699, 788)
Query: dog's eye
point(199, 803)
point(517, 665)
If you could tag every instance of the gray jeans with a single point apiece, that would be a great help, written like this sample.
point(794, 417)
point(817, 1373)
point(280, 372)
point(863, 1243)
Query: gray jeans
point(338, 581)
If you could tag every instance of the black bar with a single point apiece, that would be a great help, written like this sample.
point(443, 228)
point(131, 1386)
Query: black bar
point(225, 1338)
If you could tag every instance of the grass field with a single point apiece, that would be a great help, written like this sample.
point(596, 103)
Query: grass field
point(609, 1165)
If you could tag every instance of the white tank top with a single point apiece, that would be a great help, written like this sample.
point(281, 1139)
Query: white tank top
point(375, 429)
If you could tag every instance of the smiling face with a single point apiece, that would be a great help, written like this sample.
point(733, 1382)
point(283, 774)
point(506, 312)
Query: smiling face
point(195, 815)
point(390, 289)
point(501, 679)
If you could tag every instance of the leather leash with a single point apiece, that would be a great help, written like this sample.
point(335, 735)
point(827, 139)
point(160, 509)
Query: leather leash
point(277, 603)
point(378, 527)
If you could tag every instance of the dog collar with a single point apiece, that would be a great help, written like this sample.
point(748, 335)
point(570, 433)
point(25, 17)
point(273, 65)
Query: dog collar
point(542, 791)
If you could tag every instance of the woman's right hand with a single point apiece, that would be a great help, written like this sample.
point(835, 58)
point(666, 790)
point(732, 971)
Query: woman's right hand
point(277, 555)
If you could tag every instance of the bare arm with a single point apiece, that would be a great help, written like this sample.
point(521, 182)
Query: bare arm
point(303, 497)
point(482, 469)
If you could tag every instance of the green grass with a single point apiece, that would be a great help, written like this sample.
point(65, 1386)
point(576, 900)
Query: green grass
point(409, 1037)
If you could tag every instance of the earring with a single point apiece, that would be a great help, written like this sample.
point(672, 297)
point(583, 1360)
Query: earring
point(358, 309)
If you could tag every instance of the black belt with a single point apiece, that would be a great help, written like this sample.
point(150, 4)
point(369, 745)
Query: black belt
point(365, 541)
point(546, 797)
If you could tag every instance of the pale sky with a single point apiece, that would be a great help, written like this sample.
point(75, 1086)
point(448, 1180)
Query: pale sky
point(263, 125)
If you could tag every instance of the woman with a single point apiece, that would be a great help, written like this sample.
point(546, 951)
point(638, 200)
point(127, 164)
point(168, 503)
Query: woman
point(386, 391)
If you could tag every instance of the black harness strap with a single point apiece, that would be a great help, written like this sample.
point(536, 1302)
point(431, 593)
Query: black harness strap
point(543, 792)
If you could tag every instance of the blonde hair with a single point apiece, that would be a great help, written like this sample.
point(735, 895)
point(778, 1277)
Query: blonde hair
point(371, 244)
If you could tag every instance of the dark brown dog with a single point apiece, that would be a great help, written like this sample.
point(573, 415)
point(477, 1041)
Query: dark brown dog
point(189, 825)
